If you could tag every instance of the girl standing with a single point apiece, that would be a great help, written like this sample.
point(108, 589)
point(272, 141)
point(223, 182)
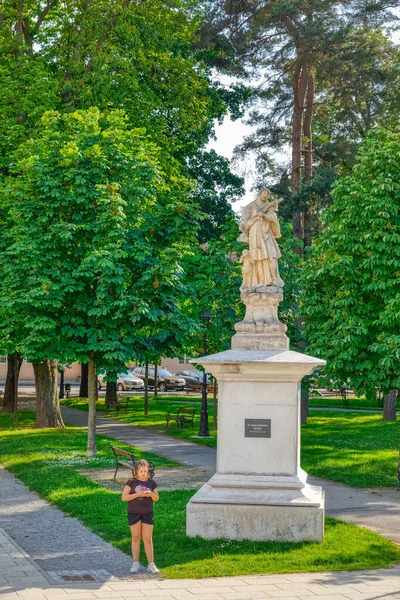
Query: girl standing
point(141, 492)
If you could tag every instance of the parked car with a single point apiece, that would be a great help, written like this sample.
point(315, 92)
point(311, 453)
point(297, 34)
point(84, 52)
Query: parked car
point(125, 381)
point(194, 379)
point(166, 381)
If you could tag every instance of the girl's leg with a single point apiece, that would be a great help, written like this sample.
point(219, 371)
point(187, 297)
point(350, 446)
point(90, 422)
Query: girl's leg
point(136, 531)
point(147, 535)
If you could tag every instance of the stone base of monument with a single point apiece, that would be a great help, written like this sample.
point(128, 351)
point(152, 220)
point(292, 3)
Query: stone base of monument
point(259, 491)
point(257, 508)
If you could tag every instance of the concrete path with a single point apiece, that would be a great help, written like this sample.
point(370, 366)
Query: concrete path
point(54, 540)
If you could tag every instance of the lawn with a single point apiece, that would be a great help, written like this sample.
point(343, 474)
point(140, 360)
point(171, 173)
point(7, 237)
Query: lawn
point(156, 416)
point(358, 403)
point(45, 461)
point(360, 450)
point(65, 446)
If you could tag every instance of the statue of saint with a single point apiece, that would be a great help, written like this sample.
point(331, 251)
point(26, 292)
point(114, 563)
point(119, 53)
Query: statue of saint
point(260, 222)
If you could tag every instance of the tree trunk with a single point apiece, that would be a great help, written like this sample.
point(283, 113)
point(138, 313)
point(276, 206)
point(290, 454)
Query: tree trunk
point(155, 379)
point(389, 406)
point(48, 413)
point(146, 388)
point(308, 153)
point(111, 393)
point(92, 399)
point(83, 388)
point(14, 362)
point(300, 82)
point(304, 394)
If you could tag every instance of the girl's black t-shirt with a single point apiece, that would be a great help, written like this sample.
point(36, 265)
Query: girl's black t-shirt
point(140, 506)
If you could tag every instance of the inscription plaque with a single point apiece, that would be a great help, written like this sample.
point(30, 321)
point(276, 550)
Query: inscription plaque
point(257, 428)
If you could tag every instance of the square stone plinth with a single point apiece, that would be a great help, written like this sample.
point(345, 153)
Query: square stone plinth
point(255, 523)
point(257, 508)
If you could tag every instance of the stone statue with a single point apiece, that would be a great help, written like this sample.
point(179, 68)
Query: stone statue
point(261, 290)
point(260, 228)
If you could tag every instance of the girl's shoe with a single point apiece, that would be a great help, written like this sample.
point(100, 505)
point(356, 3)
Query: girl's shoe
point(151, 567)
point(135, 567)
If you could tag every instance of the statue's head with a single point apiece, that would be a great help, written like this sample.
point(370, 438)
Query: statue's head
point(263, 196)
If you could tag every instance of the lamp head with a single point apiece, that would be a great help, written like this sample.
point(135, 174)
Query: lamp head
point(206, 315)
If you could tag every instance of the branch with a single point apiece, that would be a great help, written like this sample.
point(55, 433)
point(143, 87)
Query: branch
point(103, 37)
point(50, 4)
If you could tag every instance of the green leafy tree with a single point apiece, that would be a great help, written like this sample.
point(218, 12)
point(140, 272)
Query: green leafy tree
point(351, 283)
point(140, 57)
point(137, 56)
point(99, 223)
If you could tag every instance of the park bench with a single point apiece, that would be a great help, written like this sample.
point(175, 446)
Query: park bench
point(325, 393)
point(123, 458)
point(121, 404)
point(182, 417)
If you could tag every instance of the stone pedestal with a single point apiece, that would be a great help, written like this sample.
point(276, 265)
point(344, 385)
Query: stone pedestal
point(259, 491)
point(261, 328)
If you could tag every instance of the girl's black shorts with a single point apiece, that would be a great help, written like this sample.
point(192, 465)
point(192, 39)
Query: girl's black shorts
point(147, 519)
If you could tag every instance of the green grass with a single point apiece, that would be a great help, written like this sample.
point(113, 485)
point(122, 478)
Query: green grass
point(66, 446)
point(360, 450)
point(156, 416)
point(44, 460)
point(358, 403)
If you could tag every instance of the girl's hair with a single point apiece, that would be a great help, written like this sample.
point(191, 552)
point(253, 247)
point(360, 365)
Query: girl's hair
point(138, 464)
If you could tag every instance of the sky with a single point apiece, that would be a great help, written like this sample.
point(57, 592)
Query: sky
point(229, 134)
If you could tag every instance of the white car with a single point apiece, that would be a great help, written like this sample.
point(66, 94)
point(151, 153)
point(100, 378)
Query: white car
point(125, 381)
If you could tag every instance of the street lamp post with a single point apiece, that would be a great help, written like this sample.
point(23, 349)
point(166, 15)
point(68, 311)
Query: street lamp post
point(204, 429)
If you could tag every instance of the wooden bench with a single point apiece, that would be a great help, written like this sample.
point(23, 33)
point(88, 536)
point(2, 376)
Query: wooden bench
point(123, 458)
point(121, 403)
point(182, 417)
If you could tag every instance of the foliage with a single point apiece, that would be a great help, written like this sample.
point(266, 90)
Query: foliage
point(97, 225)
point(324, 73)
point(137, 56)
point(216, 188)
point(351, 298)
point(48, 472)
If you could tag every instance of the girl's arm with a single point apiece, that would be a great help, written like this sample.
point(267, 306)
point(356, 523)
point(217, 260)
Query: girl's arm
point(154, 495)
point(127, 494)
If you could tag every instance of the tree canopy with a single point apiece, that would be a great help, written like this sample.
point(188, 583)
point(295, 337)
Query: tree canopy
point(351, 294)
point(97, 227)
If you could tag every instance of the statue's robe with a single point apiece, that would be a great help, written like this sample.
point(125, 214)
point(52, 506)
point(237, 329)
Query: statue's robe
point(264, 251)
